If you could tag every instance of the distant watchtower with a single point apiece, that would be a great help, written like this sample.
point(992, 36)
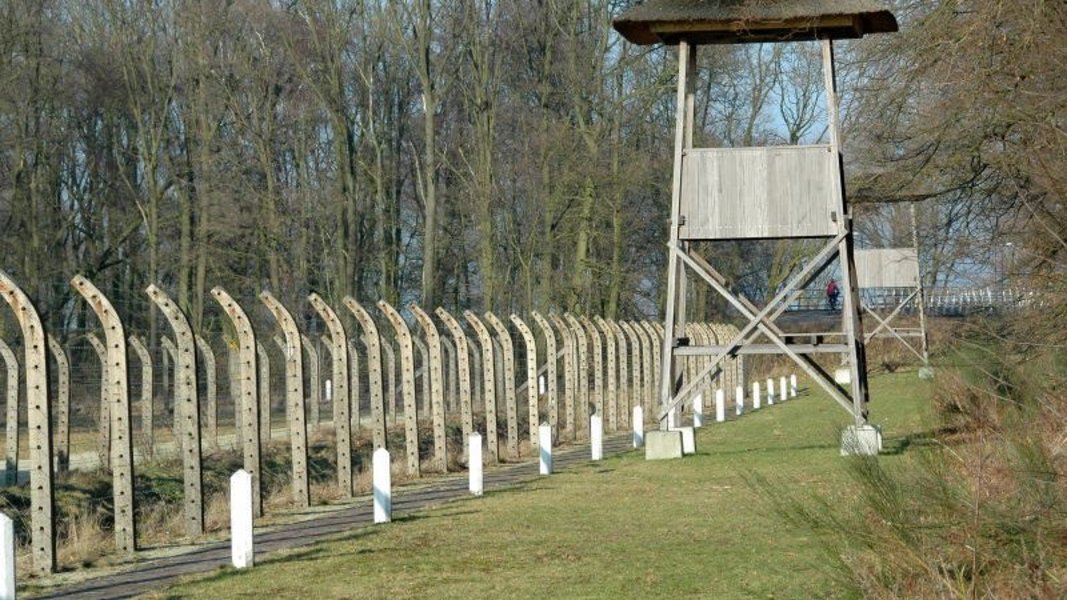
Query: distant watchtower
point(767, 193)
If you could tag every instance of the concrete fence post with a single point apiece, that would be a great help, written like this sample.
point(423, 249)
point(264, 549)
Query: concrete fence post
point(720, 405)
point(11, 434)
point(463, 367)
point(314, 391)
point(372, 342)
point(121, 455)
point(569, 397)
point(407, 385)
point(103, 421)
point(337, 391)
point(62, 432)
point(186, 397)
point(294, 398)
point(622, 402)
point(511, 406)
point(38, 417)
point(597, 348)
point(263, 395)
point(242, 544)
point(211, 410)
point(145, 358)
point(793, 385)
point(382, 486)
point(698, 410)
point(783, 391)
point(770, 391)
point(551, 373)
point(755, 395)
point(485, 342)
point(437, 387)
point(532, 383)
point(581, 377)
point(611, 385)
point(246, 395)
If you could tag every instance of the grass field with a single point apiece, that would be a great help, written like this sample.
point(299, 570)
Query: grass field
point(621, 528)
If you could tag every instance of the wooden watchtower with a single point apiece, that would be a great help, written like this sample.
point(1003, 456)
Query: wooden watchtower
point(766, 193)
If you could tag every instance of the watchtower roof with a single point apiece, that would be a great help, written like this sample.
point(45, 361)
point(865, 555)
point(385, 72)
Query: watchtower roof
point(743, 21)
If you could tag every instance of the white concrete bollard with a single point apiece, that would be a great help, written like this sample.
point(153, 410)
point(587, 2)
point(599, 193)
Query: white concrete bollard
point(474, 464)
point(542, 384)
point(755, 395)
point(596, 437)
point(770, 391)
point(793, 385)
point(639, 427)
point(698, 410)
point(383, 486)
point(242, 545)
point(720, 405)
point(7, 558)
point(739, 400)
point(329, 390)
point(783, 391)
point(544, 443)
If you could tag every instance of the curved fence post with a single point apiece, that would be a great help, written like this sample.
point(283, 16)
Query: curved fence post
point(170, 361)
point(390, 381)
point(314, 395)
point(636, 384)
point(211, 411)
point(294, 398)
point(598, 365)
point(551, 375)
point(145, 359)
point(42, 520)
point(353, 387)
point(437, 401)
point(582, 372)
point(648, 345)
point(103, 421)
point(11, 435)
point(119, 409)
point(622, 402)
point(611, 395)
point(466, 412)
point(185, 396)
point(485, 343)
point(263, 394)
point(511, 404)
point(533, 418)
point(448, 375)
point(407, 385)
point(62, 432)
point(423, 372)
point(570, 394)
point(247, 400)
point(372, 341)
point(340, 400)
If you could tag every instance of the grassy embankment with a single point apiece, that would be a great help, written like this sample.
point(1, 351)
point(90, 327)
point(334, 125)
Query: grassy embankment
point(621, 528)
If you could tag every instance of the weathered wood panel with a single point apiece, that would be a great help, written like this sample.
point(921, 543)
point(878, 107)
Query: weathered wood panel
point(770, 192)
point(887, 267)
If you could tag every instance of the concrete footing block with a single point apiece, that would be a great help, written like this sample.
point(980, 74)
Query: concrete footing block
point(843, 376)
point(926, 373)
point(662, 445)
point(862, 440)
point(689, 440)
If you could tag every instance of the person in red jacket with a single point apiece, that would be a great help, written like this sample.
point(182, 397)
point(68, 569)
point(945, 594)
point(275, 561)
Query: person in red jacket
point(832, 293)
